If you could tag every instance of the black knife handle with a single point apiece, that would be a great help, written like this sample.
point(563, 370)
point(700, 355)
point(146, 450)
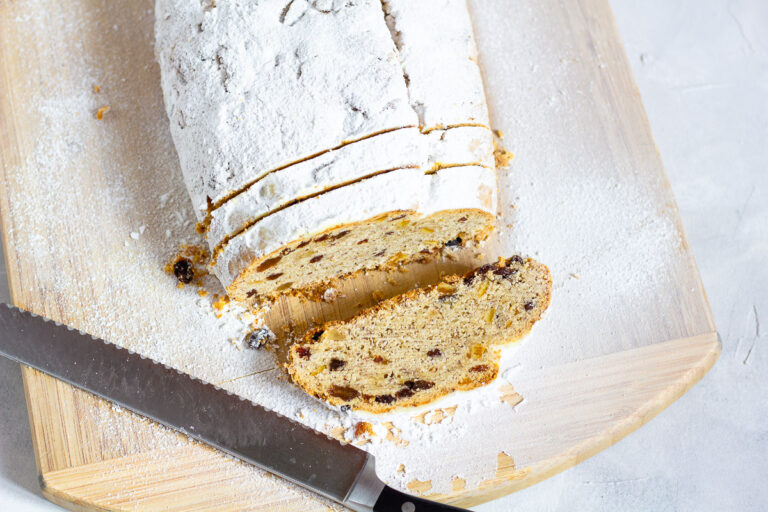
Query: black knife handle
point(391, 500)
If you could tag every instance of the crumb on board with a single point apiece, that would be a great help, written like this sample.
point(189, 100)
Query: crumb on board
point(96, 89)
point(501, 155)
point(101, 111)
point(364, 428)
point(437, 416)
point(419, 486)
point(188, 265)
point(509, 396)
point(219, 303)
point(458, 484)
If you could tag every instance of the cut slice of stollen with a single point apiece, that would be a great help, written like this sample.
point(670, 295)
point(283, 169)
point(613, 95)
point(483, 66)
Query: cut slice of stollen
point(252, 86)
point(437, 49)
point(387, 220)
point(398, 149)
point(416, 347)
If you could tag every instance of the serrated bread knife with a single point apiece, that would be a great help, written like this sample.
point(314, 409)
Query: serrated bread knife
point(204, 412)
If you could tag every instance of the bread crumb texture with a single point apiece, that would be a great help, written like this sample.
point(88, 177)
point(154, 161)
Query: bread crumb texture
point(310, 265)
point(416, 347)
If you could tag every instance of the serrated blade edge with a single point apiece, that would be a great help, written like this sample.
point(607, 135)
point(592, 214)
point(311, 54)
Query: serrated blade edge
point(198, 409)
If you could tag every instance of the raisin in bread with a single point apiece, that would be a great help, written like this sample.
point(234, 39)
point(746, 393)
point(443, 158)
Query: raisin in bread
point(419, 346)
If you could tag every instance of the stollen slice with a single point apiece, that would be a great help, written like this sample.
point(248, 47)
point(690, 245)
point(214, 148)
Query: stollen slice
point(414, 348)
point(381, 222)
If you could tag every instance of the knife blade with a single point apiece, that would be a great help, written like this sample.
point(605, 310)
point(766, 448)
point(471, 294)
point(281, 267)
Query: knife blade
point(202, 411)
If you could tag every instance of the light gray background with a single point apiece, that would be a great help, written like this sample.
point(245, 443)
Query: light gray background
point(702, 69)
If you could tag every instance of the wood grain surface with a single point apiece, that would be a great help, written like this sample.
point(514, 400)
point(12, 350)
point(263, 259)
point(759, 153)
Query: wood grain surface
point(65, 230)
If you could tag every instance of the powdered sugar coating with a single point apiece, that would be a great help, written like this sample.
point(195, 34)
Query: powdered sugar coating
point(398, 149)
point(251, 86)
point(390, 150)
point(439, 58)
point(460, 145)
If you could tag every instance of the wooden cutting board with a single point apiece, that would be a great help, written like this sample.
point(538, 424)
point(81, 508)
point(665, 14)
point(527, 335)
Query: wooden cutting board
point(85, 244)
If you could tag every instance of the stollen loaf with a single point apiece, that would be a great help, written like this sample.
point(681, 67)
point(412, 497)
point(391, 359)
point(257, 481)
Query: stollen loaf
point(321, 138)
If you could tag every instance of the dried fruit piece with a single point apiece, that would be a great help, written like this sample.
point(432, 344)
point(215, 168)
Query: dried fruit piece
point(435, 352)
point(340, 234)
point(344, 392)
point(184, 270)
point(505, 272)
point(303, 352)
point(454, 243)
point(420, 385)
point(404, 393)
point(268, 263)
point(336, 364)
point(476, 351)
point(445, 288)
point(333, 334)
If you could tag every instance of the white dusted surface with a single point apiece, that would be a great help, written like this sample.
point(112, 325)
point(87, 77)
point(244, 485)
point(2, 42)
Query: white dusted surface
point(664, 466)
point(702, 69)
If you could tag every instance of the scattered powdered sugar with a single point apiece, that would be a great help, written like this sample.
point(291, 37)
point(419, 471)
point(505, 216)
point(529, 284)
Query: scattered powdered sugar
point(96, 208)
